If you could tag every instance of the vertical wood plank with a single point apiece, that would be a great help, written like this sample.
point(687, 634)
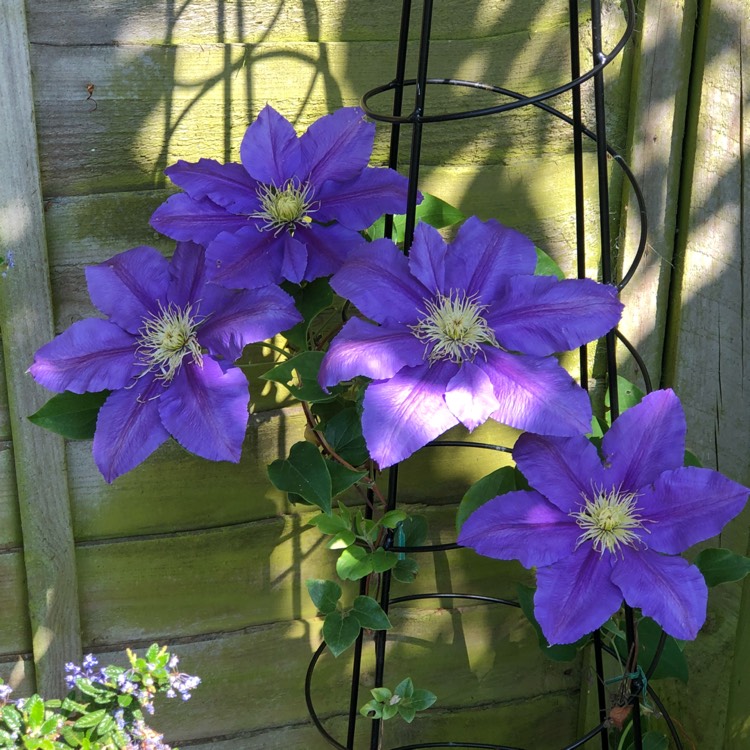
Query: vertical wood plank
point(26, 321)
point(662, 64)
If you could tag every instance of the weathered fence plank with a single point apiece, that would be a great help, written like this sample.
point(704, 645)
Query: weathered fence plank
point(26, 321)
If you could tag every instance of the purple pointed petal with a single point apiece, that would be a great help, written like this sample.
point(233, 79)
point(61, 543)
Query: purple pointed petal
point(338, 146)
point(376, 279)
point(537, 395)
point(205, 409)
point(377, 352)
point(646, 440)
point(666, 589)
point(358, 202)
point(484, 255)
point(188, 272)
point(687, 506)
point(227, 185)
point(520, 526)
point(470, 396)
point(294, 258)
point(541, 315)
point(182, 218)
point(328, 247)
point(403, 414)
point(91, 355)
point(237, 318)
point(427, 257)
point(563, 469)
point(129, 286)
point(270, 150)
point(247, 259)
point(575, 596)
point(128, 428)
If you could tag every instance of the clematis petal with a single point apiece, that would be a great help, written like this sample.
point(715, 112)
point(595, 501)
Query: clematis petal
point(358, 202)
point(520, 526)
point(128, 428)
point(575, 596)
point(470, 396)
point(377, 352)
point(182, 218)
point(247, 259)
point(403, 414)
point(91, 355)
point(270, 150)
point(328, 247)
point(537, 395)
point(376, 279)
point(666, 589)
point(483, 255)
point(427, 257)
point(338, 146)
point(646, 440)
point(563, 469)
point(188, 271)
point(227, 185)
point(129, 286)
point(237, 318)
point(688, 505)
point(205, 409)
point(294, 258)
point(541, 315)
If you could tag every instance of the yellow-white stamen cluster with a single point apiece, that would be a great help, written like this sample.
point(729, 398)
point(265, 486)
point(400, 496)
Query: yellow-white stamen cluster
point(453, 328)
point(166, 338)
point(285, 207)
point(609, 521)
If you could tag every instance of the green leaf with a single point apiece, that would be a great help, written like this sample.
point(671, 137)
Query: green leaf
point(393, 518)
point(405, 688)
point(332, 524)
point(389, 711)
point(325, 594)
point(372, 710)
point(546, 266)
point(35, 710)
point(566, 652)
point(383, 560)
point(340, 631)
point(106, 726)
point(354, 563)
point(672, 662)
point(341, 477)
point(343, 432)
point(422, 699)
point(342, 540)
point(310, 299)
point(412, 532)
point(12, 718)
point(720, 565)
point(652, 741)
point(369, 613)
point(433, 211)
point(407, 713)
point(499, 482)
point(406, 570)
point(692, 460)
point(90, 720)
point(628, 395)
point(299, 375)
point(304, 473)
point(72, 415)
point(381, 694)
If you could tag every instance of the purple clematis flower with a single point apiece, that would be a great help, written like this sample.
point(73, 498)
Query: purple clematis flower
point(165, 352)
point(465, 333)
point(292, 209)
point(601, 530)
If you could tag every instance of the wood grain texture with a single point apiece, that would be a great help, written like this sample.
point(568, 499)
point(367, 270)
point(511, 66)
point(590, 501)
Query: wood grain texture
point(662, 67)
point(26, 321)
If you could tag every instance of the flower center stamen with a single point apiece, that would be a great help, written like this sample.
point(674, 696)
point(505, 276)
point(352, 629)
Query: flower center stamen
point(166, 338)
point(285, 207)
point(453, 328)
point(609, 520)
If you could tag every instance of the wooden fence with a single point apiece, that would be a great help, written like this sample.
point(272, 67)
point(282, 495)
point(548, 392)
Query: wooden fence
point(208, 557)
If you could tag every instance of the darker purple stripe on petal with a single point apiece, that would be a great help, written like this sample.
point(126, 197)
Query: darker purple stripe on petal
point(270, 150)
point(247, 259)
